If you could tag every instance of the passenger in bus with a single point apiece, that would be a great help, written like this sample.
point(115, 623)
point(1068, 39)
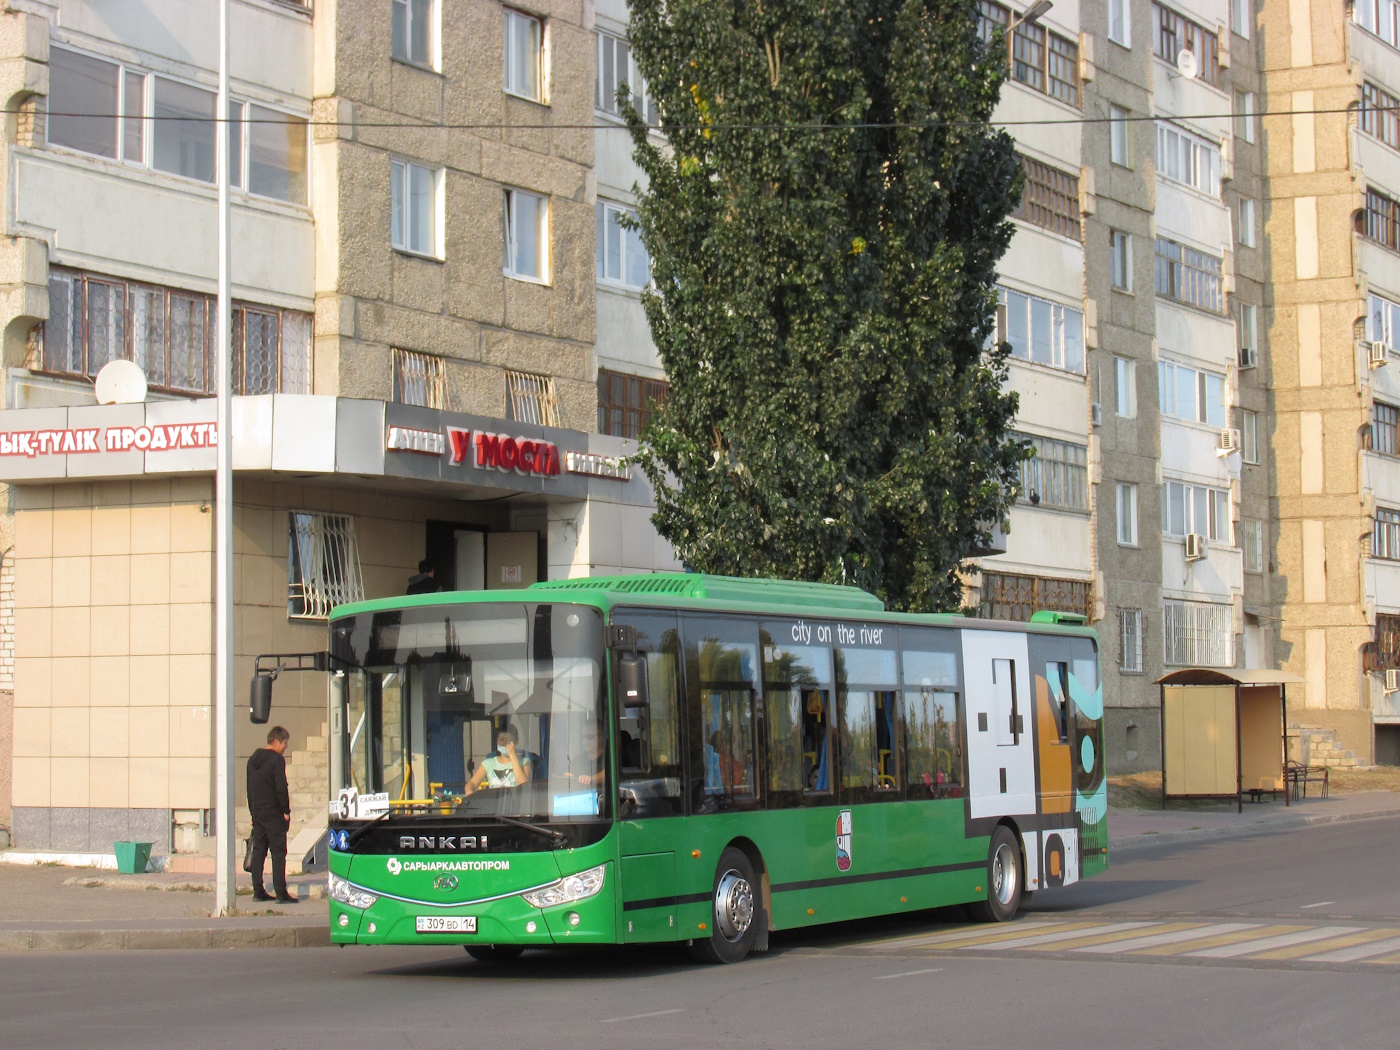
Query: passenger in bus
point(506, 768)
point(586, 767)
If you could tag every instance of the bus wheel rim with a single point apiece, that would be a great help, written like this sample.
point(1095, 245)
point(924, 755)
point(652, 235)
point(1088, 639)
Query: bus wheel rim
point(1004, 874)
point(733, 905)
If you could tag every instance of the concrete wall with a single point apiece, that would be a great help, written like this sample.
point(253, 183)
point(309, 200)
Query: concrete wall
point(459, 305)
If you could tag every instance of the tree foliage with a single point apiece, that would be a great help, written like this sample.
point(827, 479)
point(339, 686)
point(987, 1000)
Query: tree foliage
point(824, 220)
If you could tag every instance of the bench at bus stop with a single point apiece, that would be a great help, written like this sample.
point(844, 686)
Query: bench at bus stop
point(1297, 777)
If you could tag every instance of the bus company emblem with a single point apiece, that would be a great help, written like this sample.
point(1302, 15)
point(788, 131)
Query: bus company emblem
point(843, 841)
point(445, 882)
point(393, 865)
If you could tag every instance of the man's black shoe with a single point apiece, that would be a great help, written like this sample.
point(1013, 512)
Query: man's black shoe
point(287, 898)
point(261, 895)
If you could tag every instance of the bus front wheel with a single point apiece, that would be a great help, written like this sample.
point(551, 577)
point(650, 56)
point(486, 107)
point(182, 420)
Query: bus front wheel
point(1006, 879)
point(734, 912)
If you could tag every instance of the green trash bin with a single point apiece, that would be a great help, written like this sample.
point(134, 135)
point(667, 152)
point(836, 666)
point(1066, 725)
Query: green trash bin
point(132, 857)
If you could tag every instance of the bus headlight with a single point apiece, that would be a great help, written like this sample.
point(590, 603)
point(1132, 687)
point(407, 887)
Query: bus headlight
point(572, 888)
point(349, 893)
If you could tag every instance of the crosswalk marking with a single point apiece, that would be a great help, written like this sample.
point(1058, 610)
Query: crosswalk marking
point(1251, 942)
point(1037, 939)
point(925, 940)
point(1362, 951)
point(1194, 933)
point(1231, 951)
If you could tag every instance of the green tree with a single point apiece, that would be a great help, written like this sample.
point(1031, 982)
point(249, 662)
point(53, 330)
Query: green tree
point(824, 222)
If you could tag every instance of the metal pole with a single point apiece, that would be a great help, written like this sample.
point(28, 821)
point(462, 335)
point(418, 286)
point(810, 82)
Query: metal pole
point(226, 887)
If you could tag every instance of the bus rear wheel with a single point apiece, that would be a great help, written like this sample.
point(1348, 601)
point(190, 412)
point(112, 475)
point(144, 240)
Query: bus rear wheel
point(496, 953)
point(1006, 881)
point(734, 912)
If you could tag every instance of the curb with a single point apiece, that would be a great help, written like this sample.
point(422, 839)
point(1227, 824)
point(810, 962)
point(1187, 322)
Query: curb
point(318, 936)
point(1133, 843)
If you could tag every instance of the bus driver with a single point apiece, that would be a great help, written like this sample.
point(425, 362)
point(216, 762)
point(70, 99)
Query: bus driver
point(506, 768)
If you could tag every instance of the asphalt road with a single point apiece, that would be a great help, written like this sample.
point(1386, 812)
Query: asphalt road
point(1281, 940)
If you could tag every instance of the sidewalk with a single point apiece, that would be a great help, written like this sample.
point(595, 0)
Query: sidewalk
point(53, 908)
point(1131, 829)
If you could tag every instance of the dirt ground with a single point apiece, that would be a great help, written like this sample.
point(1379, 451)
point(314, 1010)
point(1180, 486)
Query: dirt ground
point(1144, 790)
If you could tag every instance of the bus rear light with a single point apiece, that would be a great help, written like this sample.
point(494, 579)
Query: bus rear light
point(571, 888)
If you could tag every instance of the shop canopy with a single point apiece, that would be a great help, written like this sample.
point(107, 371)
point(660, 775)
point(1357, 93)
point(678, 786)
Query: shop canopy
point(1223, 732)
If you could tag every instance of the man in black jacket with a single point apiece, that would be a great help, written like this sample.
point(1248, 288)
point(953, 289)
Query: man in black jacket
point(271, 808)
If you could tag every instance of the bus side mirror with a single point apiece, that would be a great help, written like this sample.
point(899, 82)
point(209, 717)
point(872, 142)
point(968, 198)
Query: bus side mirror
point(260, 698)
point(632, 680)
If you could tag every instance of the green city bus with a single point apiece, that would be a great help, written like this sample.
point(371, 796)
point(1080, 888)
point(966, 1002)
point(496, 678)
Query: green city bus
point(698, 759)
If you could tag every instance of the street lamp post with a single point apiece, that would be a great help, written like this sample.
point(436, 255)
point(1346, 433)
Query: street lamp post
point(1033, 14)
point(225, 884)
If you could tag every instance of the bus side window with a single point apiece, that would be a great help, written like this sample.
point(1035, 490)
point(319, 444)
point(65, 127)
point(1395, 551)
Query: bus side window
point(721, 673)
point(934, 742)
point(1057, 677)
point(797, 681)
point(648, 743)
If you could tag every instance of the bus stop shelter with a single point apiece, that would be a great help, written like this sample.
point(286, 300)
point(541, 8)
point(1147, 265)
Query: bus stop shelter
point(1223, 733)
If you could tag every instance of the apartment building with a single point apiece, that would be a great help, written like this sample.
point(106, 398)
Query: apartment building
point(1332, 76)
point(415, 371)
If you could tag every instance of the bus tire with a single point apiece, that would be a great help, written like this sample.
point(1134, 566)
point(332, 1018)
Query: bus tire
point(734, 911)
point(495, 953)
point(1006, 879)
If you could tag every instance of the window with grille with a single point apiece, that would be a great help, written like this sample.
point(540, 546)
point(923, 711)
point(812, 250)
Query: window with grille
point(1383, 651)
point(1012, 596)
point(1130, 641)
point(1380, 221)
point(1189, 276)
point(1049, 199)
point(419, 379)
point(169, 334)
point(531, 399)
point(1252, 540)
point(1385, 539)
point(1197, 634)
point(1040, 58)
point(323, 564)
point(1175, 33)
point(625, 403)
point(617, 67)
point(1041, 331)
point(1385, 419)
point(1056, 476)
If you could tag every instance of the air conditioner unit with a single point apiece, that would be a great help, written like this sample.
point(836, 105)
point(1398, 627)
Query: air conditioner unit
point(1195, 546)
point(1375, 353)
point(1229, 441)
point(1249, 357)
point(1392, 680)
point(1095, 414)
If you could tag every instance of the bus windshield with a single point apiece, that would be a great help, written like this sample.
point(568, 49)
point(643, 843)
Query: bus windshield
point(476, 709)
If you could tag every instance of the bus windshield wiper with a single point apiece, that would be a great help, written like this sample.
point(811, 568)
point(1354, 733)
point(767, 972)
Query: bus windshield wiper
point(358, 832)
point(557, 837)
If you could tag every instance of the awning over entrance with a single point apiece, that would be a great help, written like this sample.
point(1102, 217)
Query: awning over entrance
point(308, 435)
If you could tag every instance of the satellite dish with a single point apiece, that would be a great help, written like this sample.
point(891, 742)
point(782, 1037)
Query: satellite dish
point(121, 383)
point(1186, 64)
